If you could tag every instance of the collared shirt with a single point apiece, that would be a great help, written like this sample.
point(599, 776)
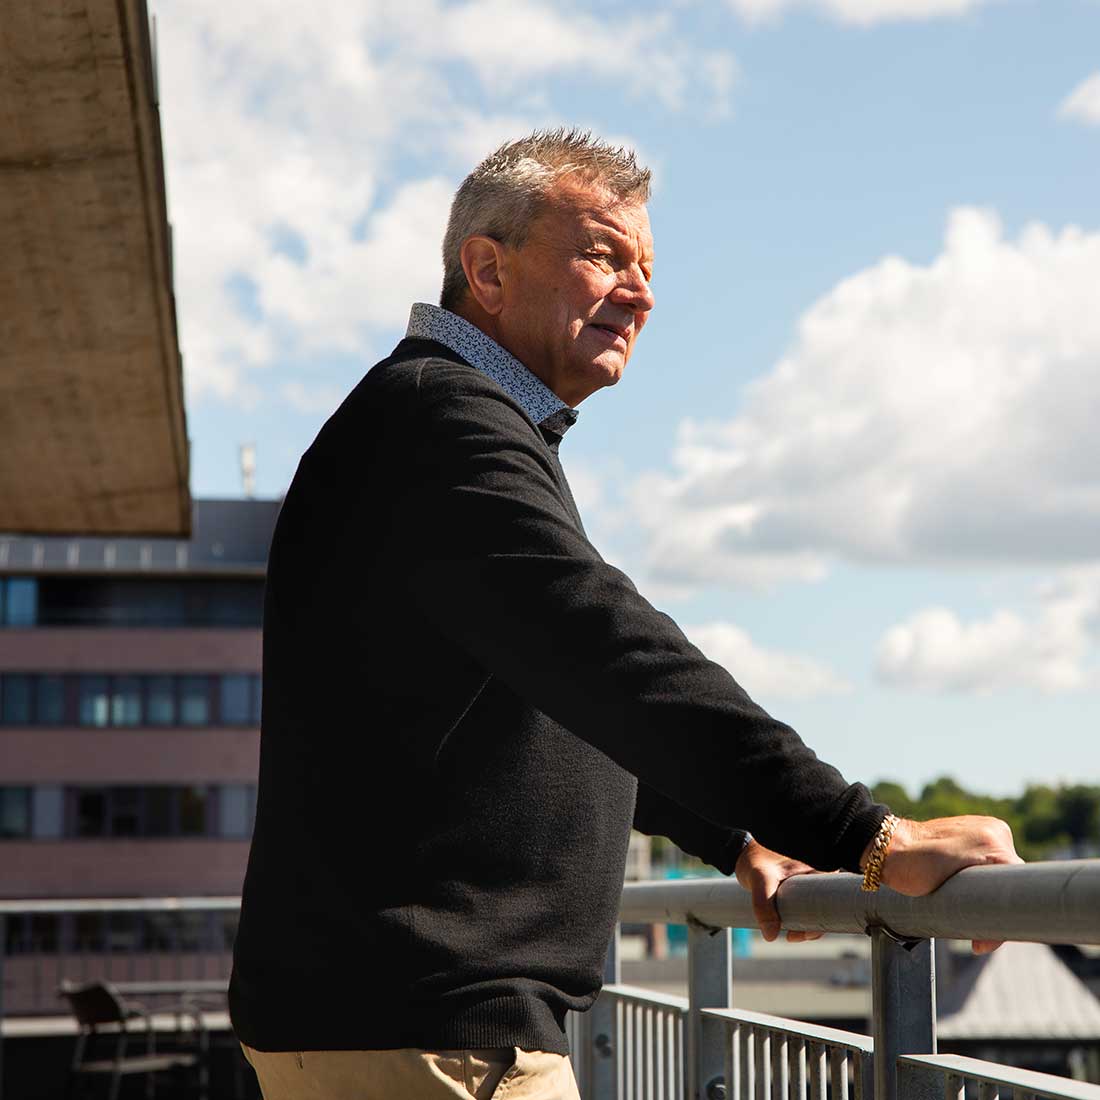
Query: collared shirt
point(538, 401)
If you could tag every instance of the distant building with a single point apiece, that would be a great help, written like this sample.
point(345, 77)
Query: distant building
point(129, 726)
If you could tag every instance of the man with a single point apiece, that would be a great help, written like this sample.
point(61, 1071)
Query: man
point(466, 708)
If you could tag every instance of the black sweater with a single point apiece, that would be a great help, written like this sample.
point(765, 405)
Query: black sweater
point(464, 710)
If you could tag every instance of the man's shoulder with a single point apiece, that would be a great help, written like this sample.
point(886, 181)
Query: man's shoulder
point(440, 383)
point(429, 369)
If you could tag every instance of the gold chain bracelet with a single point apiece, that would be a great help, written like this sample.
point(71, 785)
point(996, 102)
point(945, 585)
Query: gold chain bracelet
point(872, 875)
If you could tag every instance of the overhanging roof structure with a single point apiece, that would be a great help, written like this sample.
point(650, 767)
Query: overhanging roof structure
point(93, 436)
point(1022, 991)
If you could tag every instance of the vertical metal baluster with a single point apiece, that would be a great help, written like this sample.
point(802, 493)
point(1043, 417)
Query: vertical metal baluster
point(838, 1072)
point(622, 1055)
point(677, 1059)
point(863, 1064)
point(662, 1036)
point(797, 1064)
point(632, 1051)
point(733, 1063)
point(628, 1046)
point(779, 1067)
point(819, 1071)
point(763, 1064)
point(987, 1090)
point(955, 1087)
point(649, 1089)
point(748, 1062)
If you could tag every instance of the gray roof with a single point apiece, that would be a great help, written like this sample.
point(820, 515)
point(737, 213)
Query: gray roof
point(227, 536)
point(1021, 991)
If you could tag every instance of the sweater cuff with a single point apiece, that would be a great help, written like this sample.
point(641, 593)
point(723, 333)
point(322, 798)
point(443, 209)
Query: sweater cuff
point(857, 833)
point(739, 840)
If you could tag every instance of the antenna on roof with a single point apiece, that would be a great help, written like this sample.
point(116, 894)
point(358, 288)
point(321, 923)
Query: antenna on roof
point(248, 469)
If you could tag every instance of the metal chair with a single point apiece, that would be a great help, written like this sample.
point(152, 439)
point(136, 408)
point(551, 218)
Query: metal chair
point(104, 1015)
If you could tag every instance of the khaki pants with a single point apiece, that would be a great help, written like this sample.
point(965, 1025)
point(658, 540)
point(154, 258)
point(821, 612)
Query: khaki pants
point(413, 1074)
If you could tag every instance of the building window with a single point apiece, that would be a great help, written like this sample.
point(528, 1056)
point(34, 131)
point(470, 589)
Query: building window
point(236, 700)
point(49, 700)
point(235, 810)
point(129, 700)
point(150, 812)
point(48, 812)
point(15, 813)
point(194, 700)
point(88, 932)
point(125, 701)
point(15, 700)
point(19, 601)
point(94, 701)
point(91, 813)
point(192, 811)
point(160, 701)
point(160, 811)
point(125, 805)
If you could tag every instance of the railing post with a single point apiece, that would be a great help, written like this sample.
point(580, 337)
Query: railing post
point(903, 1005)
point(601, 1054)
point(710, 973)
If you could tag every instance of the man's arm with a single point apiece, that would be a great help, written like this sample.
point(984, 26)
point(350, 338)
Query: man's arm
point(496, 563)
point(656, 815)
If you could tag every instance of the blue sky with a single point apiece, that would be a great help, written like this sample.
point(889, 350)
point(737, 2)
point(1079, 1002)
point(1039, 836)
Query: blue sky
point(854, 452)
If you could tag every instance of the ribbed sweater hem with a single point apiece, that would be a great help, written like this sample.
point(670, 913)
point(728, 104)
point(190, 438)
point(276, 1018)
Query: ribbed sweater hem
point(513, 1021)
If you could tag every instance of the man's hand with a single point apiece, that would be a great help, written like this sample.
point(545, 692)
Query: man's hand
point(924, 854)
point(760, 871)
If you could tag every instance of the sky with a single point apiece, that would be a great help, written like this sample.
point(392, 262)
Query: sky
point(854, 454)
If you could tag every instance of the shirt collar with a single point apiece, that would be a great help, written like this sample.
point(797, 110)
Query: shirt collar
point(538, 401)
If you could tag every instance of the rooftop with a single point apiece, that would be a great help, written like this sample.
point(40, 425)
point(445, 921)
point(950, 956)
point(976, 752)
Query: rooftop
point(227, 536)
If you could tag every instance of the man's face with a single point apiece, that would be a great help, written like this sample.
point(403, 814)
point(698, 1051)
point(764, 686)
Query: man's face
point(576, 294)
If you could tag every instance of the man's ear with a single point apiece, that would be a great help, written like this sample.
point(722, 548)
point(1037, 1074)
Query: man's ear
point(482, 260)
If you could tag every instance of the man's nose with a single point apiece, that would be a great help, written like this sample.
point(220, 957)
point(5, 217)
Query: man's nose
point(634, 291)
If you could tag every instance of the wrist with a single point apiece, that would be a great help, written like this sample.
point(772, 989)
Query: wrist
point(873, 861)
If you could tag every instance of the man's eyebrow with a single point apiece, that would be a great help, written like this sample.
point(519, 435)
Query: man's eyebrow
point(608, 235)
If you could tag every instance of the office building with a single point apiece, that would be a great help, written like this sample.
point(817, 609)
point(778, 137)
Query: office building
point(129, 727)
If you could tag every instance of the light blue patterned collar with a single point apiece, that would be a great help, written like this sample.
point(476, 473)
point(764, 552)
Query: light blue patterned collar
point(538, 401)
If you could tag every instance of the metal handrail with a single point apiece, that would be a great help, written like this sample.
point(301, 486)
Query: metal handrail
point(1055, 902)
point(118, 905)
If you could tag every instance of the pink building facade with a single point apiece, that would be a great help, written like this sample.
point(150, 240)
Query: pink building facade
point(129, 725)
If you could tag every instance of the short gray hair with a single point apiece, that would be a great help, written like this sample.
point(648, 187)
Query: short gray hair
point(503, 195)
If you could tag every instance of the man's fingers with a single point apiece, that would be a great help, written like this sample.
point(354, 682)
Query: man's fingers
point(802, 937)
point(983, 947)
point(763, 906)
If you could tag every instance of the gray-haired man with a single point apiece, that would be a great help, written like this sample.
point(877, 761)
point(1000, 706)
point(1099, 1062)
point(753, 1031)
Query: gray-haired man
point(466, 708)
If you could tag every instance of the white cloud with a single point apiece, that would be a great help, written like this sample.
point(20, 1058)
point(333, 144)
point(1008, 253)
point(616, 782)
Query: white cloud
point(312, 397)
point(1083, 103)
point(344, 127)
point(1053, 649)
point(924, 414)
point(858, 12)
point(764, 673)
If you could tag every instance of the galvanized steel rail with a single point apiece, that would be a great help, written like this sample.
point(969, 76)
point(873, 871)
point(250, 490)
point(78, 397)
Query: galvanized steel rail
point(1056, 902)
point(738, 1055)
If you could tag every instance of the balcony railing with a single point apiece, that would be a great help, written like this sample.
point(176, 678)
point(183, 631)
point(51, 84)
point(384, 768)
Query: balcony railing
point(639, 1045)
